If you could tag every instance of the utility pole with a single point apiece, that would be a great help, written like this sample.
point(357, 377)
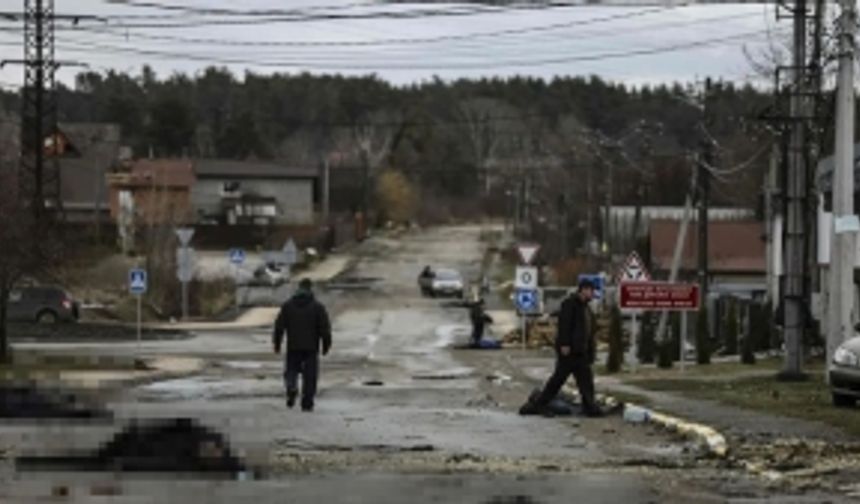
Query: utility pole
point(326, 189)
point(704, 182)
point(607, 226)
point(842, 290)
point(39, 175)
point(795, 315)
point(589, 217)
point(677, 255)
point(39, 181)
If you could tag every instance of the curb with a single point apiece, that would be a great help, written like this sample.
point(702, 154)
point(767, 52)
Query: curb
point(708, 437)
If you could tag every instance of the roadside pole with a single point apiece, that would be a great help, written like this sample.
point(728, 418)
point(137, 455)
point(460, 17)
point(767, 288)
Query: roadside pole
point(236, 257)
point(137, 286)
point(236, 290)
point(524, 321)
point(634, 341)
point(184, 265)
point(634, 271)
point(845, 223)
point(139, 323)
point(527, 296)
point(683, 341)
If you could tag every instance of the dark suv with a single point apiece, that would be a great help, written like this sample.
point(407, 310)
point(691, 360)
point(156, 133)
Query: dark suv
point(46, 305)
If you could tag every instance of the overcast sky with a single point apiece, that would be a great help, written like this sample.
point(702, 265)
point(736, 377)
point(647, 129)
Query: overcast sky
point(686, 43)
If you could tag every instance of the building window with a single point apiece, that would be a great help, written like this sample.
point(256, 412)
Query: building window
point(231, 189)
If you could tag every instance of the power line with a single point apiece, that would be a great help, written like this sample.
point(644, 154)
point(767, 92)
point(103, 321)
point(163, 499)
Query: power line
point(399, 15)
point(235, 12)
point(611, 55)
point(415, 40)
point(737, 168)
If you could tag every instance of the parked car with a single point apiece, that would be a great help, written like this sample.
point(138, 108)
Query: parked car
point(844, 373)
point(443, 282)
point(272, 274)
point(45, 305)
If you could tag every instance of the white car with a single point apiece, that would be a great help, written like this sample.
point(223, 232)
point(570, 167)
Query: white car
point(447, 282)
point(844, 373)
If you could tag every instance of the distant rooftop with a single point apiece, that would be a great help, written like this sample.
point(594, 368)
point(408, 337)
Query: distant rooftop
point(225, 168)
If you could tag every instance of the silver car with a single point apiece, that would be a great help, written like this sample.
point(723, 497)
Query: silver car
point(844, 373)
point(447, 282)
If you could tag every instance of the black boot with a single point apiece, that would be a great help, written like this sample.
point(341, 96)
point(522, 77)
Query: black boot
point(291, 398)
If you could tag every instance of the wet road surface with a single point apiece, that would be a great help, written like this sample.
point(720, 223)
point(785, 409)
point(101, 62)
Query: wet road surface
point(401, 415)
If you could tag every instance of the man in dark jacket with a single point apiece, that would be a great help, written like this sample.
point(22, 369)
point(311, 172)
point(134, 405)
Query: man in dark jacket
point(479, 320)
point(306, 324)
point(575, 353)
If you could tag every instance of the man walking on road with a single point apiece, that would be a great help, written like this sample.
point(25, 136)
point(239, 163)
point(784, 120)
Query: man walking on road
point(479, 319)
point(306, 324)
point(575, 353)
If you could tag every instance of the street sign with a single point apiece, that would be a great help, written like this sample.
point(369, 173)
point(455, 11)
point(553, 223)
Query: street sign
point(237, 256)
point(634, 270)
point(291, 253)
point(527, 300)
point(528, 251)
point(185, 264)
point(137, 281)
point(184, 235)
point(659, 296)
point(597, 280)
point(526, 278)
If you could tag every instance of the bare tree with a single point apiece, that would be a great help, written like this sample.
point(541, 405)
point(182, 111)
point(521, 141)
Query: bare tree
point(374, 138)
point(486, 122)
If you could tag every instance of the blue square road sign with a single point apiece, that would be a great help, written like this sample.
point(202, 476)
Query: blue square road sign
point(237, 256)
point(137, 281)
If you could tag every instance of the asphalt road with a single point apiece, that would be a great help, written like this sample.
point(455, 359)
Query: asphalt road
point(402, 415)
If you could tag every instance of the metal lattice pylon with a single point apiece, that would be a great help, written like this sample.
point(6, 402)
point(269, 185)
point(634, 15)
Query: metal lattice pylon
point(39, 175)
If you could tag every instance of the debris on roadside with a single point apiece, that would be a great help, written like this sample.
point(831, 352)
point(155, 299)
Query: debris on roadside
point(636, 414)
point(498, 378)
point(483, 402)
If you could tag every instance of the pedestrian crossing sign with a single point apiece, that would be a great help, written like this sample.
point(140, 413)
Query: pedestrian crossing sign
point(137, 281)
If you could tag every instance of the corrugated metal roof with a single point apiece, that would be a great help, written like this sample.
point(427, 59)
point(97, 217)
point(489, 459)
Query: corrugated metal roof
point(229, 169)
point(163, 172)
point(733, 246)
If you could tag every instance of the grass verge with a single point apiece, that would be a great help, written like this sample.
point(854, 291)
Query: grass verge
point(809, 400)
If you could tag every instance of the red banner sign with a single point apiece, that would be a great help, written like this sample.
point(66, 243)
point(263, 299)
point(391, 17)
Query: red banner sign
point(659, 296)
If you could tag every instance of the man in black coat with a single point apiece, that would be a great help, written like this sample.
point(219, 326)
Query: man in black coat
point(308, 329)
point(575, 353)
point(479, 320)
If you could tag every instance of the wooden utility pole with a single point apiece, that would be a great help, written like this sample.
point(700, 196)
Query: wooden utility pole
point(842, 290)
point(704, 189)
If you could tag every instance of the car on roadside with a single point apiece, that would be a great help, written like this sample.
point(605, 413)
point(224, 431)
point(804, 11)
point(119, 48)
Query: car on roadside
point(271, 274)
point(444, 282)
point(844, 373)
point(44, 305)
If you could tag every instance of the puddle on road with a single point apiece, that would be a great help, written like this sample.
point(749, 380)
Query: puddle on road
point(245, 365)
point(451, 335)
point(458, 373)
point(203, 388)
